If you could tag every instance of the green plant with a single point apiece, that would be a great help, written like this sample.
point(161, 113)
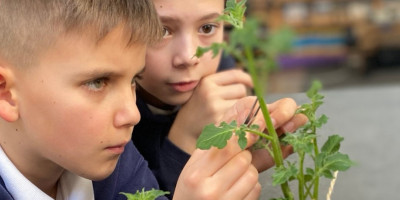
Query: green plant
point(244, 41)
point(145, 195)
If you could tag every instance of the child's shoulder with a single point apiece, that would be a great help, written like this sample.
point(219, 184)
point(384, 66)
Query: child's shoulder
point(4, 194)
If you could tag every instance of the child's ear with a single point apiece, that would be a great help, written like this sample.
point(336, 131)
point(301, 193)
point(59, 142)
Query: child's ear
point(8, 106)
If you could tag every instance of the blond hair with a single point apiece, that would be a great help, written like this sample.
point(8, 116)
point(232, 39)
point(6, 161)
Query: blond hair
point(27, 27)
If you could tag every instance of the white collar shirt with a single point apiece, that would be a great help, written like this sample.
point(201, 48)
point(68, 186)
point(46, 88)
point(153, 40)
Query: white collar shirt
point(70, 187)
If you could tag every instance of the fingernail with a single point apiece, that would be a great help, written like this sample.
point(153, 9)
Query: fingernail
point(253, 137)
point(288, 127)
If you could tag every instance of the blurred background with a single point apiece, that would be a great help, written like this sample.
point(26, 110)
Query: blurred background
point(340, 42)
point(353, 48)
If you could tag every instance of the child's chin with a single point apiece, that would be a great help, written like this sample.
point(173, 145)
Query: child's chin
point(100, 174)
point(99, 177)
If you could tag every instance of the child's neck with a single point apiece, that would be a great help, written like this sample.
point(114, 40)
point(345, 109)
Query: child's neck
point(152, 100)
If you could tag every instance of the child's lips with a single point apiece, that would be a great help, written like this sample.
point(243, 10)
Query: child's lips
point(184, 86)
point(117, 149)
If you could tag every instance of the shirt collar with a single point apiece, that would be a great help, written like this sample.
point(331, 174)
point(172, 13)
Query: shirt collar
point(70, 185)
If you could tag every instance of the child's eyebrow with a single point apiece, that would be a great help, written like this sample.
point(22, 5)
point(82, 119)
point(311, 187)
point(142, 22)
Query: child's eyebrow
point(96, 73)
point(172, 19)
point(210, 16)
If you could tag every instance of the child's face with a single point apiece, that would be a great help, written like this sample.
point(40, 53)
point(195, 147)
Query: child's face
point(172, 72)
point(77, 107)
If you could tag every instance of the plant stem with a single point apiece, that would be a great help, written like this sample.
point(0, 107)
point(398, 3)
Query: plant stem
point(300, 176)
point(316, 152)
point(259, 134)
point(276, 149)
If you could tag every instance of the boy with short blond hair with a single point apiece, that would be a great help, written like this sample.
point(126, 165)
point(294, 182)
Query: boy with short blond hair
point(67, 106)
point(64, 66)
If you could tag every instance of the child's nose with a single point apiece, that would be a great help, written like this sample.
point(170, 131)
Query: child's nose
point(184, 52)
point(128, 113)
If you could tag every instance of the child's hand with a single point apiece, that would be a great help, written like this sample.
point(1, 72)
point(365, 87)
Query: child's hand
point(210, 100)
point(285, 120)
point(221, 173)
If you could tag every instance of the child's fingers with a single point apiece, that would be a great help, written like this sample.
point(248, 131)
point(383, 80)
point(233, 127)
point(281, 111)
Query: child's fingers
point(232, 76)
point(293, 124)
point(233, 91)
point(245, 186)
point(286, 150)
point(208, 162)
point(254, 193)
point(230, 173)
point(282, 111)
point(240, 110)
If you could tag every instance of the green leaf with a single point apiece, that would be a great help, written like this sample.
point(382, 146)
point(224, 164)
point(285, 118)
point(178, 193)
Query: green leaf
point(332, 162)
point(332, 145)
point(283, 174)
point(321, 121)
point(215, 48)
point(216, 136)
point(315, 87)
point(242, 138)
point(248, 36)
point(301, 142)
point(309, 175)
point(234, 13)
point(145, 195)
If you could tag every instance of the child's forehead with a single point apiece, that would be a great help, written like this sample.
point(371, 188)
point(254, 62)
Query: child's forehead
point(113, 49)
point(188, 7)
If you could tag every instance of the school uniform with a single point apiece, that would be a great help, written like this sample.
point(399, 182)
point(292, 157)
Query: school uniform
point(131, 174)
point(150, 136)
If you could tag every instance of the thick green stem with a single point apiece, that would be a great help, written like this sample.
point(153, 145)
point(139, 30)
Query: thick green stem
point(316, 152)
point(276, 149)
point(300, 176)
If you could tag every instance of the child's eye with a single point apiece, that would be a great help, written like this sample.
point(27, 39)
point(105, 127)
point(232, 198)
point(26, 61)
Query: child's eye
point(135, 78)
point(133, 82)
point(208, 29)
point(166, 32)
point(97, 84)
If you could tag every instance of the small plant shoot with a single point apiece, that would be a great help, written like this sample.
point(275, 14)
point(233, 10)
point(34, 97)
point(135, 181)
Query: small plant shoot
point(144, 195)
point(258, 52)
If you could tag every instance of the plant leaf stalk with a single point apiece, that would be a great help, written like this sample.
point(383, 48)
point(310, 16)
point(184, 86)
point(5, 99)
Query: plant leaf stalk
point(276, 149)
point(316, 152)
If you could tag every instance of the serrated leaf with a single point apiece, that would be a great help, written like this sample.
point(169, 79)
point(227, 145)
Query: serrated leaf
point(200, 51)
point(309, 175)
point(301, 142)
point(338, 162)
point(321, 121)
point(145, 195)
point(215, 48)
point(332, 145)
point(242, 138)
point(216, 136)
point(315, 87)
point(234, 13)
point(283, 174)
point(332, 162)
